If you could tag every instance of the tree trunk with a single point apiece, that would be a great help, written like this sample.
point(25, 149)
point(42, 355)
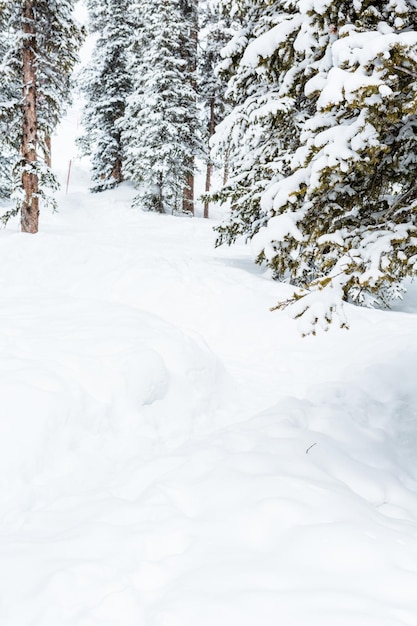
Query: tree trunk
point(188, 192)
point(30, 205)
point(48, 152)
point(209, 171)
point(226, 165)
point(209, 167)
point(117, 173)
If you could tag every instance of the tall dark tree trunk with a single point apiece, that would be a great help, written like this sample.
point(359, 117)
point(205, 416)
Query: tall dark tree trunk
point(209, 166)
point(30, 183)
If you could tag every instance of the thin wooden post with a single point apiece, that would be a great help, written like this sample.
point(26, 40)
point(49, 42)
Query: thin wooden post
point(69, 173)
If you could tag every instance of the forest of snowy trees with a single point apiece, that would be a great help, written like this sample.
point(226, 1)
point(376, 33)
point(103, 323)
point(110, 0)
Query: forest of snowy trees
point(40, 42)
point(306, 109)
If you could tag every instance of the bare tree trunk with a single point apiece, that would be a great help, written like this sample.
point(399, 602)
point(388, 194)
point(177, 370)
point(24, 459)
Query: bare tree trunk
point(30, 205)
point(226, 165)
point(48, 152)
point(209, 167)
point(209, 171)
point(188, 194)
point(117, 173)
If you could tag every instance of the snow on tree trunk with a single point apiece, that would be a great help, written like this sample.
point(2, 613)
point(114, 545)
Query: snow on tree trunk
point(117, 171)
point(209, 164)
point(30, 204)
point(40, 43)
point(188, 191)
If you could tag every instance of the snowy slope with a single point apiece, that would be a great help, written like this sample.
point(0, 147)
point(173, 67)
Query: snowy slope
point(173, 454)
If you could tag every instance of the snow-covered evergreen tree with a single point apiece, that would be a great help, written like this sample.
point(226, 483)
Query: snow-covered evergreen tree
point(214, 33)
point(161, 121)
point(341, 221)
point(8, 104)
point(262, 130)
point(106, 84)
point(189, 10)
point(41, 50)
point(59, 40)
point(6, 169)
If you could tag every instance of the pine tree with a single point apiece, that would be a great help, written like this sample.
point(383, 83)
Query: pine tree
point(340, 222)
point(8, 104)
point(259, 135)
point(161, 121)
point(106, 84)
point(5, 174)
point(41, 50)
point(214, 33)
point(189, 10)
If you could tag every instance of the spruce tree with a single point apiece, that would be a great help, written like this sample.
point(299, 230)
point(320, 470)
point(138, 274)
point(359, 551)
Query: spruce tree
point(106, 83)
point(259, 135)
point(41, 50)
point(5, 175)
point(189, 10)
point(161, 121)
point(214, 33)
point(340, 222)
point(8, 104)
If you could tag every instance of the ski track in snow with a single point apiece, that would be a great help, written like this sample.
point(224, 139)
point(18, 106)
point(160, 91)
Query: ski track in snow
point(174, 454)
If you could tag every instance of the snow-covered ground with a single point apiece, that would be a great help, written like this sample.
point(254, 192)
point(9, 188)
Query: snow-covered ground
point(174, 454)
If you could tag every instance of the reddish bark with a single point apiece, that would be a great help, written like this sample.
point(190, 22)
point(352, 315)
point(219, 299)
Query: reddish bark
point(117, 173)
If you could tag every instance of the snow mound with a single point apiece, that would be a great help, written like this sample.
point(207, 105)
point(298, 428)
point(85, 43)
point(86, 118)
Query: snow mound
point(80, 373)
point(275, 519)
point(173, 454)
